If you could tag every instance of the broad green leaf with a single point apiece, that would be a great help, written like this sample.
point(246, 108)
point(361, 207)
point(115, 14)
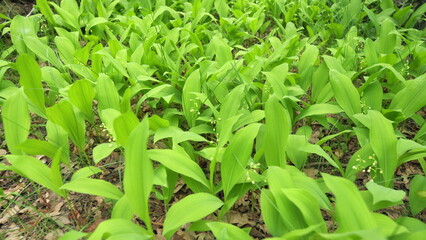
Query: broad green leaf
point(411, 98)
point(180, 163)
point(66, 49)
point(73, 235)
point(306, 65)
point(236, 156)
point(122, 210)
point(308, 206)
point(34, 170)
point(118, 228)
point(313, 148)
point(381, 193)
point(19, 27)
point(276, 78)
point(387, 40)
point(221, 50)
point(123, 126)
point(107, 93)
point(177, 134)
point(85, 172)
point(93, 187)
point(226, 231)
point(417, 194)
point(190, 103)
point(81, 95)
point(319, 109)
point(43, 51)
point(270, 214)
point(30, 79)
point(278, 128)
point(372, 96)
point(103, 150)
point(345, 92)
point(189, 209)
point(46, 11)
point(16, 121)
point(63, 115)
point(138, 169)
point(353, 218)
point(384, 144)
point(38, 147)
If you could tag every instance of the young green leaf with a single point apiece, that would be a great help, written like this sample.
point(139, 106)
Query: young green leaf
point(189, 209)
point(63, 115)
point(138, 169)
point(345, 92)
point(411, 98)
point(103, 150)
point(94, 187)
point(81, 95)
point(236, 156)
point(226, 231)
point(383, 142)
point(353, 218)
point(180, 163)
point(418, 194)
point(106, 93)
point(119, 228)
point(123, 126)
point(278, 128)
point(16, 121)
point(35, 170)
point(30, 79)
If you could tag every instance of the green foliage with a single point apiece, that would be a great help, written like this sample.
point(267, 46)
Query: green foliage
point(222, 97)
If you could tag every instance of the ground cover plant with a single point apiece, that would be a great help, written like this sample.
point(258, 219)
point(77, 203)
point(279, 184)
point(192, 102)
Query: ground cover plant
point(130, 119)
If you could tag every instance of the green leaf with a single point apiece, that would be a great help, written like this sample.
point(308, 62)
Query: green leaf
point(43, 51)
point(30, 79)
point(106, 93)
point(16, 121)
point(384, 194)
point(226, 231)
point(236, 156)
point(81, 95)
point(278, 128)
point(123, 126)
point(35, 170)
point(383, 141)
point(85, 172)
point(353, 218)
point(103, 150)
point(387, 40)
point(138, 169)
point(38, 147)
point(180, 163)
point(417, 194)
point(345, 92)
point(94, 187)
point(319, 109)
point(46, 11)
point(190, 103)
point(19, 27)
point(63, 115)
point(119, 228)
point(411, 98)
point(73, 235)
point(308, 206)
point(189, 209)
point(122, 210)
point(271, 214)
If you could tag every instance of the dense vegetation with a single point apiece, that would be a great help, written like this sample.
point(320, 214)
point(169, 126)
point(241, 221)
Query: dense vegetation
point(307, 110)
